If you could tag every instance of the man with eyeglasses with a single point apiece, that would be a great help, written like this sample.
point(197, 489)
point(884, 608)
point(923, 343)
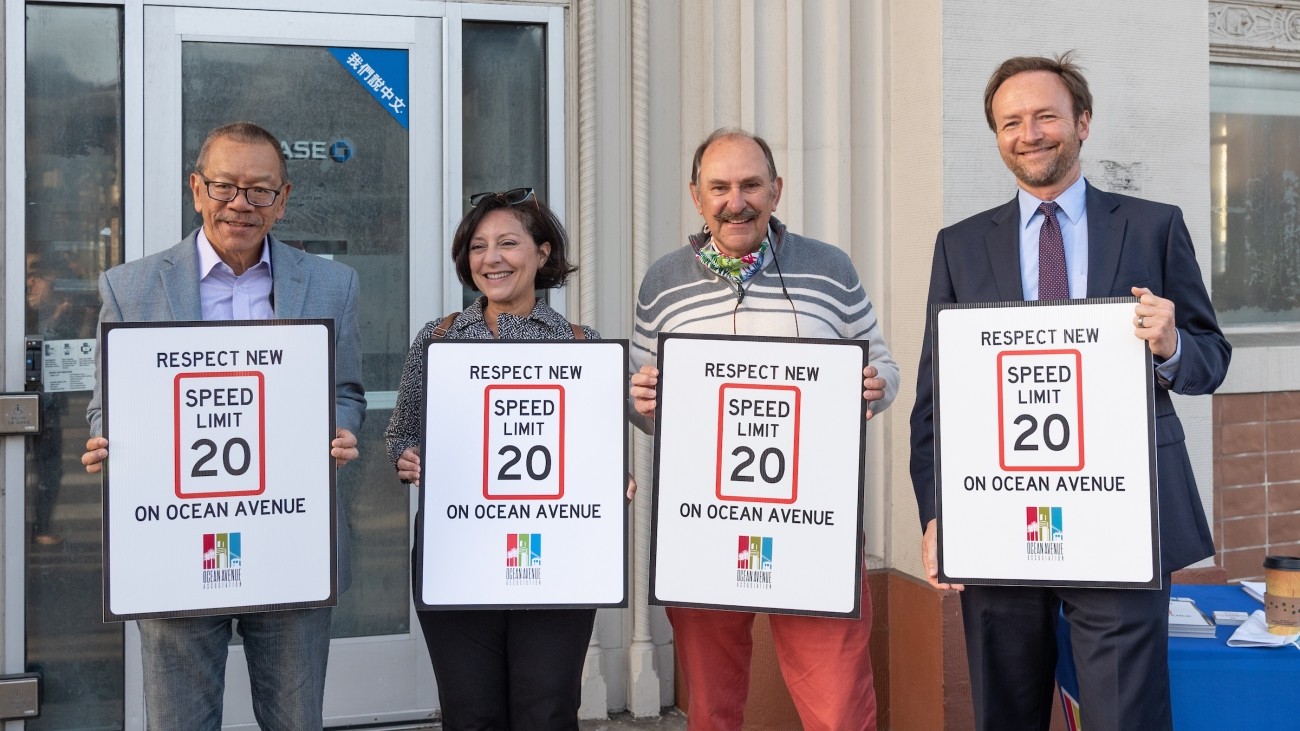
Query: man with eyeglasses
point(746, 274)
point(233, 269)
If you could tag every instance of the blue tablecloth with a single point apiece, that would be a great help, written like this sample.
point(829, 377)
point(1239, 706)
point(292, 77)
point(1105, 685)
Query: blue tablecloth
point(1213, 686)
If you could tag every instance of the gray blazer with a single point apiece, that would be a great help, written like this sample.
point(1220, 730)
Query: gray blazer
point(165, 287)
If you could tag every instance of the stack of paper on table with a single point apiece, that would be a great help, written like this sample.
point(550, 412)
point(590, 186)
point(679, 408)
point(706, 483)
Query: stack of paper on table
point(1187, 620)
point(1254, 633)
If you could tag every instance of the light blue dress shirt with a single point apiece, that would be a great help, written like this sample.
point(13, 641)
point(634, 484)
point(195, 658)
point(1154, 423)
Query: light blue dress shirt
point(1072, 214)
point(224, 296)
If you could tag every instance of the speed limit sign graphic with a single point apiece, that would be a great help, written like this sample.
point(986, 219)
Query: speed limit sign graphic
point(759, 468)
point(219, 489)
point(523, 442)
point(1044, 445)
point(1040, 409)
point(220, 420)
point(758, 443)
point(522, 501)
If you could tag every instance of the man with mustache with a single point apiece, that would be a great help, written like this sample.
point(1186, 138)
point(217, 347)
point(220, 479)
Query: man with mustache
point(1061, 238)
point(746, 274)
point(233, 269)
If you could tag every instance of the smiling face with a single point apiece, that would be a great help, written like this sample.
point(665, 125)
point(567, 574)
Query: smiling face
point(736, 194)
point(503, 261)
point(1038, 135)
point(235, 228)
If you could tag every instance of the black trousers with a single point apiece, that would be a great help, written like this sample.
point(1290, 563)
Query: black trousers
point(1120, 639)
point(508, 670)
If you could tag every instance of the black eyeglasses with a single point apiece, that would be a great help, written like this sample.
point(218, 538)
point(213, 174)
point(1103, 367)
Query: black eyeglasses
point(512, 197)
point(226, 192)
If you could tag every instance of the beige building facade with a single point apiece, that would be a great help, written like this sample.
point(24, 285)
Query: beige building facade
point(874, 111)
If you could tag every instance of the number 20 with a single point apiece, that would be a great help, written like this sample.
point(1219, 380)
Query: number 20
point(1023, 446)
point(211, 446)
point(771, 479)
point(536, 475)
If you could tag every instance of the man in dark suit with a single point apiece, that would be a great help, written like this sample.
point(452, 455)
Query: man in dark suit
point(1062, 238)
point(233, 269)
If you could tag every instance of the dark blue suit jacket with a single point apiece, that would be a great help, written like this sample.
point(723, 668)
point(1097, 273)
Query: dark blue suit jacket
point(1131, 243)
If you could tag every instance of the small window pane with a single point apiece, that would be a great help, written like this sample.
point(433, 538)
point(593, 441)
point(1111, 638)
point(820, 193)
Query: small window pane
point(503, 110)
point(1255, 194)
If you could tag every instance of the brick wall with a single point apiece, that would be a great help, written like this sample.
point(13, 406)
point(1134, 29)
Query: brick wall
point(1256, 480)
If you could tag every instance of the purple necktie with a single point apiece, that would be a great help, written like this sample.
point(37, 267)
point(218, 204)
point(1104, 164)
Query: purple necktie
point(1052, 281)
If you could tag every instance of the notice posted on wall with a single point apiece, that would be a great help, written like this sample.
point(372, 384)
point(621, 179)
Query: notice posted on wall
point(1044, 445)
point(219, 486)
point(524, 475)
point(758, 474)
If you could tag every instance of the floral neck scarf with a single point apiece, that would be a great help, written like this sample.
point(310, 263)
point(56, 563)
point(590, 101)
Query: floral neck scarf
point(737, 270)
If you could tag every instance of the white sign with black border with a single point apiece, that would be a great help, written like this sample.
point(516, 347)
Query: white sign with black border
point(524, 475)
point(219, 487)
point(758, 474)
point(1044, 445)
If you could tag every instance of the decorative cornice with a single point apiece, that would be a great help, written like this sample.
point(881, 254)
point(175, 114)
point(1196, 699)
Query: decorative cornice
point(1260, 32)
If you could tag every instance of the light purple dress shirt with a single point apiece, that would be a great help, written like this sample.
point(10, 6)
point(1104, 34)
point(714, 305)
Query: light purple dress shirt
point(224, 296)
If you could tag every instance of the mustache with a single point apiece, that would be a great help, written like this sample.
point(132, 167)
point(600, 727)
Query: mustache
point(745, 215)
point(231, 218)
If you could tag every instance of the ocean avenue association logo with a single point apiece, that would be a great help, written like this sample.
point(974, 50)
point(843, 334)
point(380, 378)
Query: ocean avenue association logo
point(1044, 537)
point(754, 562)
point(523, 559)
point(223, 560)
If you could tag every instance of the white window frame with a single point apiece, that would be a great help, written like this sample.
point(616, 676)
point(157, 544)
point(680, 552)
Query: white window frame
point(1264, 355)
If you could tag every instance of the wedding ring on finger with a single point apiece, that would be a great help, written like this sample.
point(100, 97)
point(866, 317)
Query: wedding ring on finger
point(1142, 321)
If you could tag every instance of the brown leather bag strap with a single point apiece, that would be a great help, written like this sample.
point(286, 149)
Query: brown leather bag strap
point(578, 334)
point(440, 331)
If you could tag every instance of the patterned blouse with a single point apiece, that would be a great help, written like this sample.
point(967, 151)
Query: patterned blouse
point(407, 423)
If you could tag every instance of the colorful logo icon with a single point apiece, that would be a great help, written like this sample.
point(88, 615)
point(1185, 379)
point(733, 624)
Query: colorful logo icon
point(755, 553)
point(222, 551)
point(223, 560)
point(754, 562)
point(1044, 534)
point(524, 550)
point(1043, 524)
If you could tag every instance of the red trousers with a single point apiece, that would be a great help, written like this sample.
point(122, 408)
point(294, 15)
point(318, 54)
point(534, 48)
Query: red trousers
point(826, 664)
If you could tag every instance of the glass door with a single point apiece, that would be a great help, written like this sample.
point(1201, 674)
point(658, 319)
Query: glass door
point(356, 101)
point(70, 228)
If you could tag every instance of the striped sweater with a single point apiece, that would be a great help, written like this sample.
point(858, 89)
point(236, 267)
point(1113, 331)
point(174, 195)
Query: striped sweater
point(679, 294)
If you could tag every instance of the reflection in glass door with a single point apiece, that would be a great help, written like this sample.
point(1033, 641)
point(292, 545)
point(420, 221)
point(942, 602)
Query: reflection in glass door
point(74, 103)
point(347, 160)
point(354, 101)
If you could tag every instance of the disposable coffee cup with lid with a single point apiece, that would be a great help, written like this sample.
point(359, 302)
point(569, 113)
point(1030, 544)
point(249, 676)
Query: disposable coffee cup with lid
point(1282, 594)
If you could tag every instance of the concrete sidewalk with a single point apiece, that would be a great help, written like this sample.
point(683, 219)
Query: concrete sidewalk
point(671, 720)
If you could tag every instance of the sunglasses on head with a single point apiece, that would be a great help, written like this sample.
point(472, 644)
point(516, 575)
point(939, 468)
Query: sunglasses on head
point(512, 197)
